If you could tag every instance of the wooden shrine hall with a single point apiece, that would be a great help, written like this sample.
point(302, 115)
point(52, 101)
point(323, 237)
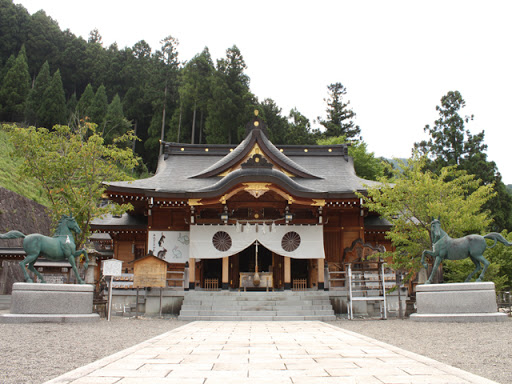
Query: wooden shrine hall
point(253, 216)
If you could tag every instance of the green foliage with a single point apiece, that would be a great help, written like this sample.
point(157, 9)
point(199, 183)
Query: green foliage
point(98, 108)
point(339, 116)
point(197, 102)
point(299, 131)
point(231, 102)
point(115, 124)
point(36, 95)
point(277, 124)
point(71, 165)
point(11, 179)
point(195, 92)
point(84, 106)
point(415, 196)
point(450, 143)
point(367, 166)
point(14, 20)
point(14, 89)
point(52, 109)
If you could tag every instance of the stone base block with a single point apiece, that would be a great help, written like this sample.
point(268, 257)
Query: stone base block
point(459, 302)
point(37, 298)
point(36, 302)
point(460, 317)
point(15, 318)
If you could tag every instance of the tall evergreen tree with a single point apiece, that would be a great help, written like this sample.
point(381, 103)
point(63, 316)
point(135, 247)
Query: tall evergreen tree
point(195, 90)
point(99, 106)
point(339, 116)
point(300, 132)
point(14, 20)
point(162, 92)
point(277, 125)
point(232, 102)
point(44, 41)
point(8, 65)
point(451, 144)
point(115, 124)
point(83, 108)
point(53, 109)
point(36, 94)
point(14, 89)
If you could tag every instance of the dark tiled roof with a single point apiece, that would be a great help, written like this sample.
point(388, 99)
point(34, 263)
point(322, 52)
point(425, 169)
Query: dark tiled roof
point(376, 222)
point(124, 221)
point(332, 171)
point(258, 175)
point(255, 137)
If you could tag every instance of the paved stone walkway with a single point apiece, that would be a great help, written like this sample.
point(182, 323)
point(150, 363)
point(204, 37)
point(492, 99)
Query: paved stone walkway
point(265, 352)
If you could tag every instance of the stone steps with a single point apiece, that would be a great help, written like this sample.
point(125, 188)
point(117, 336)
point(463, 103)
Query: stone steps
point(5, 302)
point(256, 306)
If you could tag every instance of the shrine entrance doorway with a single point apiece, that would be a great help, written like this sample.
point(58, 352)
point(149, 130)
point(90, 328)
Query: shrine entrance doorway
point(242, 268)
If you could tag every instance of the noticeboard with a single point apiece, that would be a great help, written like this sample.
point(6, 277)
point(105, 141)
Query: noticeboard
point(112, 267)
point(149, 271)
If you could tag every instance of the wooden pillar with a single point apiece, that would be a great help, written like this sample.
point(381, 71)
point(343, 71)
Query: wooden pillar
point(287, 273)
point(225, 272)
point(192, 273)
point(321, 280)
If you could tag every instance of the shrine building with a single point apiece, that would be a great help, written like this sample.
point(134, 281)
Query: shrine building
point(254, 215)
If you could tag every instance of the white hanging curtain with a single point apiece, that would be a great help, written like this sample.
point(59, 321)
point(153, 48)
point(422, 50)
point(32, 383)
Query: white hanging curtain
point(218, 241)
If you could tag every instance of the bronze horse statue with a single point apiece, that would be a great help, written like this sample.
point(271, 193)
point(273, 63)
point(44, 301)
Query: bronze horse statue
point(472, 246)
point(59, 247)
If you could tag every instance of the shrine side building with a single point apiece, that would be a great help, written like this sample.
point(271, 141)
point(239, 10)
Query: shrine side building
point(225, 212)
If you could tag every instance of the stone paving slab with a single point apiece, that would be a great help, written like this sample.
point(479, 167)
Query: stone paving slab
point(265, 352)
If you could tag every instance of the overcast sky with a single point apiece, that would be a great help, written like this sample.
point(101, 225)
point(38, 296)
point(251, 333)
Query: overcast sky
point(396, 58)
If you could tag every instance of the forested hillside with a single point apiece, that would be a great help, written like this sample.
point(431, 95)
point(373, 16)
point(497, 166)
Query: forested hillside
point(49, 76)
point(52, 76)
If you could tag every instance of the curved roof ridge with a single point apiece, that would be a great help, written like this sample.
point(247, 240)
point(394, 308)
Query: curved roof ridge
point(285, 159)
point(256, 136)
point(253, 175)
point(228, 159)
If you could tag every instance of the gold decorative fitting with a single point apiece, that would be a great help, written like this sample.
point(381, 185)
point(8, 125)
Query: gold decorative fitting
point(256, 216)
point(182, 149)
point(256, 112)
point(305, 149)
point(230, 149)
point(256, 150)
point(256, 123)
point(206, 149)
point(330, 149)
point(193, 202)
point(256, 159)
point(281, 150)
point(256, 189)
point(225, 173)
point(318, 203)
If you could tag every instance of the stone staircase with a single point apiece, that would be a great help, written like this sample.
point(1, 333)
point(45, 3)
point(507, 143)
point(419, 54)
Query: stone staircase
point(5, 302)
point(256, 306)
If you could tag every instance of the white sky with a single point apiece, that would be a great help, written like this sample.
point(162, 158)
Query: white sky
point(396, 58)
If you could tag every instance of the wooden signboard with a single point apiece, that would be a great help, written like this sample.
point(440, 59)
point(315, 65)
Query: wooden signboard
point(149, 271)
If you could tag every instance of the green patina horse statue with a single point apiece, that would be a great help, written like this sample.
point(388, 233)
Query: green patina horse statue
point(59, 247)
point(472, 246)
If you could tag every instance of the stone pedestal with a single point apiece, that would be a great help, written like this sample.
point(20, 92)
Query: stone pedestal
point(458, 302)
point(50, 303)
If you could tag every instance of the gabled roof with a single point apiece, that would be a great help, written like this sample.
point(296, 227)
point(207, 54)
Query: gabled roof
point(256, 137)
point(202, 170)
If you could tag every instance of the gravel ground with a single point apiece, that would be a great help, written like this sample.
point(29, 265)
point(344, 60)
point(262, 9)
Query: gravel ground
point(36, 353)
